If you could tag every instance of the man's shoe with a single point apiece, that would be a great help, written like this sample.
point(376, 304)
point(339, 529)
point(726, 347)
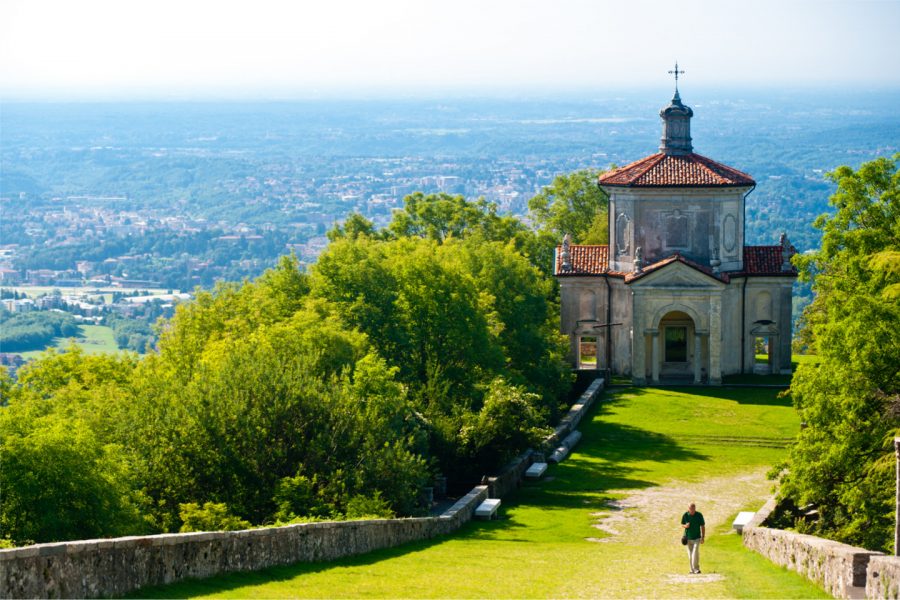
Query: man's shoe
point(697, 571)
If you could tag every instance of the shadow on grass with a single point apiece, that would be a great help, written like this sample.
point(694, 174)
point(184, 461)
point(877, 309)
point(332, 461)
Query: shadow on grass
point(758, 396)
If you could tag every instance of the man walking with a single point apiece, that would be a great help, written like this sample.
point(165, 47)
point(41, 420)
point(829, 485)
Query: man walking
point(695, 531)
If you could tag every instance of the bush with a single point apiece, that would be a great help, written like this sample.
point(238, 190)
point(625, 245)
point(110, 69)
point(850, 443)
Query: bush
point(369, 507)
point(211, 516)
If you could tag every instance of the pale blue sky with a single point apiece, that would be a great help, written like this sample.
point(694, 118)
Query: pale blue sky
point(265, 48)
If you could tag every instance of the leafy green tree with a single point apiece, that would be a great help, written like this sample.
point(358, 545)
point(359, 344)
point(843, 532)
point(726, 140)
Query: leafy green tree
point(452, 317)
point(510, 420)
point(843, 461)
point(354, 226)
point(439, 217)
point(573, 204)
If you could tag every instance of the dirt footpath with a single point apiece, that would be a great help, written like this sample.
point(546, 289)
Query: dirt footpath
point(644, 525)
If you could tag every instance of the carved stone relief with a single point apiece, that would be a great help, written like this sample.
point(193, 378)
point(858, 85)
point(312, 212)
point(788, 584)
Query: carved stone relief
point(623, 234)
point(729, 233)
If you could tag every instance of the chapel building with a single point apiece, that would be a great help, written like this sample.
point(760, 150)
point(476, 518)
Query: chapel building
point(676, 295)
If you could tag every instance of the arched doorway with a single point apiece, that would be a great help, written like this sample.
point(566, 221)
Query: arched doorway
point(677, 353)
point(676, 331)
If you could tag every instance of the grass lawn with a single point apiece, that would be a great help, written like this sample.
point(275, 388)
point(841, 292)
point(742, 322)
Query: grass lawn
point(604, 523)
point(96, 339)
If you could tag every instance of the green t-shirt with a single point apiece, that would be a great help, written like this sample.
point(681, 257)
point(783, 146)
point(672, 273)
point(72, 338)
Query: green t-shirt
point(695, 522)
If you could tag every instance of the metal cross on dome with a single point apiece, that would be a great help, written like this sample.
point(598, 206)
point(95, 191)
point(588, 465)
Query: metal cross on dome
point(676, 72)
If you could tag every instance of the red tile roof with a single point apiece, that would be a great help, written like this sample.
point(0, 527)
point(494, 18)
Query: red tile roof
point(594, 260)
point(765, 260)
point(666, 170)
point(583, 260)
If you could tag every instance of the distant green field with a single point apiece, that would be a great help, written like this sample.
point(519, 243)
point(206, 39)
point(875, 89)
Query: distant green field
point(97, 339)
point(602, 524)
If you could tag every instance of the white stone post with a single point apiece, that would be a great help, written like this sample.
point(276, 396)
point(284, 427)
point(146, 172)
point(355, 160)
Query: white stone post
point(897, 497)
point(697, 353)
point(654, 368)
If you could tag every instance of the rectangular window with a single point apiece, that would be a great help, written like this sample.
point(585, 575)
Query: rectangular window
point(676, 344)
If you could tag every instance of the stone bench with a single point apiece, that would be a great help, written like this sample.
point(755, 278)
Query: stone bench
point(742, 519)
point(488, 508)
point(536, 470)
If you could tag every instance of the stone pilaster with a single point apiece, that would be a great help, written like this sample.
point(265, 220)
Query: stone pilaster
point(654, 357)
point(639, 343)
point(697, 356)
point(715, 340)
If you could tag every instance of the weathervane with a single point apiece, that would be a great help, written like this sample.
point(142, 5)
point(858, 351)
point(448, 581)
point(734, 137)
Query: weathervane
point(676, 72)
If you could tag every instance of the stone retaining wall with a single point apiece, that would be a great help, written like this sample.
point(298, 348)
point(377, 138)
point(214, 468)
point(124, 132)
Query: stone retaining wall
point(836, 567)
point(113, 567)
point(883, 577)
point(512, 475)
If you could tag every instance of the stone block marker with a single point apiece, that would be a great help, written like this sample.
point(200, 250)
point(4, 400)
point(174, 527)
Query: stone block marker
point(741, 520)
point(565, 447)
point(536, 470)
point(488, 508)
point(559, 455)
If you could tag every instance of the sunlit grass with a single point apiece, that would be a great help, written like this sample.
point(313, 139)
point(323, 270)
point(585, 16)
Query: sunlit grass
point(638, 441)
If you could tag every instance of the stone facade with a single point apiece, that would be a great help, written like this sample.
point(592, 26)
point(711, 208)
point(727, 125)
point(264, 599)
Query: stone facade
point(676, 294)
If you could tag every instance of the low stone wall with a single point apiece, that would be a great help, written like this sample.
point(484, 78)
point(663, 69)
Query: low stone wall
point(836, 567)
point(113, 567)
point(572, 418)
point(883, 577)
point(510, 476)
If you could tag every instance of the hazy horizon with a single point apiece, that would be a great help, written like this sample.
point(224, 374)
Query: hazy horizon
point(690, 94)
point(205, 50)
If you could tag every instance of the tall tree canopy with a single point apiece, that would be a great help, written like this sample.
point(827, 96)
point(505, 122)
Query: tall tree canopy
point(843, 461)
